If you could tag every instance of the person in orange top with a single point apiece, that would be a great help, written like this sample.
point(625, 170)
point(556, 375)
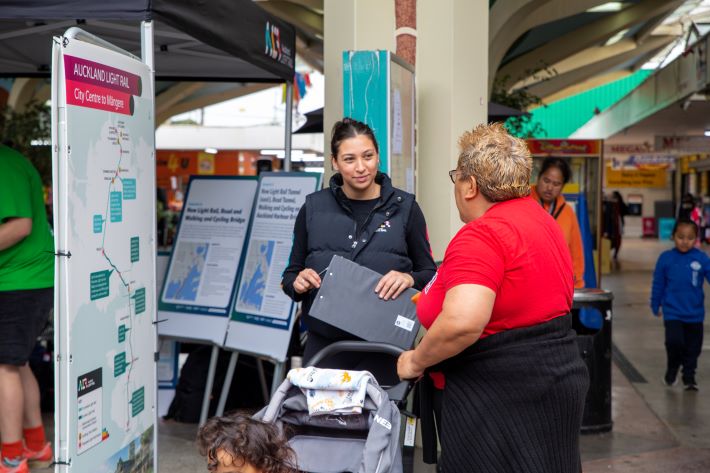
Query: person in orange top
point(554, 174)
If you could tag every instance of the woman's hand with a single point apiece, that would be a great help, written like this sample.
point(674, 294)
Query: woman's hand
point(407, 368)
point(392, 284)
point(306, 280)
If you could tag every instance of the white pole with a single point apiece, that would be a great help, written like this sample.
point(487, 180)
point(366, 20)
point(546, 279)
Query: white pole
point(214, 357)
point(227, 383)
point(147, 42)
point(148, 58)
point(289, 125)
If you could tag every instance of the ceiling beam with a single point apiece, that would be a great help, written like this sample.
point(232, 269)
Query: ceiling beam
point(315, 5)
point(23, 91)
point(301, 17)
point(584, 86)
point(174, 94)
point(311, 54)
point(585, 37)
point(510, 19)
point(562, 81)
point(209, 99)
point(650, 26)
point(581, 59)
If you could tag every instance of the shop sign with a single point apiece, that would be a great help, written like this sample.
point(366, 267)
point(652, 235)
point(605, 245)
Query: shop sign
point(580, 147)
point(643, 161)
point(694, 143)
point(628, 148)
point(640, 178)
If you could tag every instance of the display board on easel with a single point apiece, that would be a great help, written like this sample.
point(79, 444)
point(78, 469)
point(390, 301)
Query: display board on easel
point(199, 284)
point(262, 315)
point(104, 214)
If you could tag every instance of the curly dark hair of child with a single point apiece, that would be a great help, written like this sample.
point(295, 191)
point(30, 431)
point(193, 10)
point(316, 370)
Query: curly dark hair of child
point(245, 441)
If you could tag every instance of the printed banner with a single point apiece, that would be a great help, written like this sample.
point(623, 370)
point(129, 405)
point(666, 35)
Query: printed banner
point(104, 214)
point(94, 85)
point(262, 315)
point(199, 286)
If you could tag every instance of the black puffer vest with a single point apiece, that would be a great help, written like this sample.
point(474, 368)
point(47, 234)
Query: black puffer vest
point(381, 244)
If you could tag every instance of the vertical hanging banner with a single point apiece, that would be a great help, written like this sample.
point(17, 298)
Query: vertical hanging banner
point(199, 284)
point(379, 89)
point(104, 214)
point(262, 316)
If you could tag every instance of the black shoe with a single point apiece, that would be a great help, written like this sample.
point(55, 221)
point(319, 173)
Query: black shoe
point(690, 384)
point(670, 380)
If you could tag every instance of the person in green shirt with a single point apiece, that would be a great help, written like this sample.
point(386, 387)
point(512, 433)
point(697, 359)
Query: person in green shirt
point(26, 297)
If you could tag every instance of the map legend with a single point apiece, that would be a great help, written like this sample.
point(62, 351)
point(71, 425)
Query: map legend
point(135, 249)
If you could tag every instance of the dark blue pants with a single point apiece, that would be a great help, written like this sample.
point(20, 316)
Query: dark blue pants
point(684, 341)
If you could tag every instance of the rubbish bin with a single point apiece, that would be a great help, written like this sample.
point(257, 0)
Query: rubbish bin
point(595, 348)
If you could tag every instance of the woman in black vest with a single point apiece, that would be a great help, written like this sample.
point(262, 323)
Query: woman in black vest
point(360, 217)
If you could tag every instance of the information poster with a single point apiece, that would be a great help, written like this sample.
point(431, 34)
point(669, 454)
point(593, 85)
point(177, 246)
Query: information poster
point(401, 125)
point(379, 89)
point(104, 195)
point(199, 284)
point(261, 309)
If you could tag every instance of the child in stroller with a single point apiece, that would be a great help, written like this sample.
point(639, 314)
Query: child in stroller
point(290, 434)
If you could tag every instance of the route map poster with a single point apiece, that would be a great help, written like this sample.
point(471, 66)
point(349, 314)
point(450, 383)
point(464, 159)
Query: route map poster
point(199, 284)
point(261, 309)
point(104, 195)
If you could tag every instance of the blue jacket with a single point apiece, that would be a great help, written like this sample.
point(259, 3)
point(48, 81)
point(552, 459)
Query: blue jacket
point(678, 285)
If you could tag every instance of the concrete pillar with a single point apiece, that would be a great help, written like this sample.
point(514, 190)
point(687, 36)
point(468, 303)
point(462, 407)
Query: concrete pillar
point(452, 74)
point(452, 91)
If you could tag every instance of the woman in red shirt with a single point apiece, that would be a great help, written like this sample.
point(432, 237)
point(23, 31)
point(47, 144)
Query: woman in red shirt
point(499, 325)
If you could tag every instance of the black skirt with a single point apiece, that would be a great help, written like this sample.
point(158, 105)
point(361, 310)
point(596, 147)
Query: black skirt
point(513, 402)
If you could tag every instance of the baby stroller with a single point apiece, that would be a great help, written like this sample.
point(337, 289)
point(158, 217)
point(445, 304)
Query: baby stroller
point(365, 442)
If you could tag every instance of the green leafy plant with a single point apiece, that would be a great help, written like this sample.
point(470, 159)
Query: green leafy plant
point(522, 126)
point(29, 132)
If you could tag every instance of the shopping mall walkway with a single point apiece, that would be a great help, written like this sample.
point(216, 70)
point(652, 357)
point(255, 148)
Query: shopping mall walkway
point(656, 429)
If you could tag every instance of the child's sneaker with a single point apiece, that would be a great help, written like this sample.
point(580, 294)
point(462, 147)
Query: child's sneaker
point(691, 386)
point(669, 380)
point(14, 466)
point(41, 458)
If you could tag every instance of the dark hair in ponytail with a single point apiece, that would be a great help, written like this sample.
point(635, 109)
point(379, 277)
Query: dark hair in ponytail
point(349, 128)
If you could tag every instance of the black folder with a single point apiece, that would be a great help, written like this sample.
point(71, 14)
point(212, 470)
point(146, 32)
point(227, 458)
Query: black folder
point(347, 300)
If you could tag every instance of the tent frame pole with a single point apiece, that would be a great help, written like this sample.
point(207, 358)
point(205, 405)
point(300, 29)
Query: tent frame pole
point(148, 58)
point(288, 125)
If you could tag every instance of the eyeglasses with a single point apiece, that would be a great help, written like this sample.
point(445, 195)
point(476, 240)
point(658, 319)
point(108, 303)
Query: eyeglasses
point(452, 175)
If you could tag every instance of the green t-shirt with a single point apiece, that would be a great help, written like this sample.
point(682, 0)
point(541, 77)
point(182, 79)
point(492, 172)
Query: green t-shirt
point(30, 263)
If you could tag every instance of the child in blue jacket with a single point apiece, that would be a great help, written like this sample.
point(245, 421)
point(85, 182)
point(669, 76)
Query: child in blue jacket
point(678, 293)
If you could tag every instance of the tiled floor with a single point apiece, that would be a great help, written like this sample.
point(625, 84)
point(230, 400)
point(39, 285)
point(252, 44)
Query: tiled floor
point(656, 429)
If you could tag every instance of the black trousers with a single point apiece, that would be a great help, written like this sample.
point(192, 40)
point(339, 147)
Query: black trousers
point(684, 341)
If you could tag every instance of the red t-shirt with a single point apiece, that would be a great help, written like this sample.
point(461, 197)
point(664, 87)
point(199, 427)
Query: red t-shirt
point(517, 250)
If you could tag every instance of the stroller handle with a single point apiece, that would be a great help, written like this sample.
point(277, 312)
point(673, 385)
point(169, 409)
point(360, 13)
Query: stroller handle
point(397, 392)
point(354, 346)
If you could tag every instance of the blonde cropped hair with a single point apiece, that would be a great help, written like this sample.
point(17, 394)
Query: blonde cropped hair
point(500, 162)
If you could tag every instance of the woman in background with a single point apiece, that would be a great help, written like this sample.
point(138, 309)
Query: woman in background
point(554, 174)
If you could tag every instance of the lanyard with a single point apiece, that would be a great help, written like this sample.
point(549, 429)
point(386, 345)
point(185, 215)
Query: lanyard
point(552, 208)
